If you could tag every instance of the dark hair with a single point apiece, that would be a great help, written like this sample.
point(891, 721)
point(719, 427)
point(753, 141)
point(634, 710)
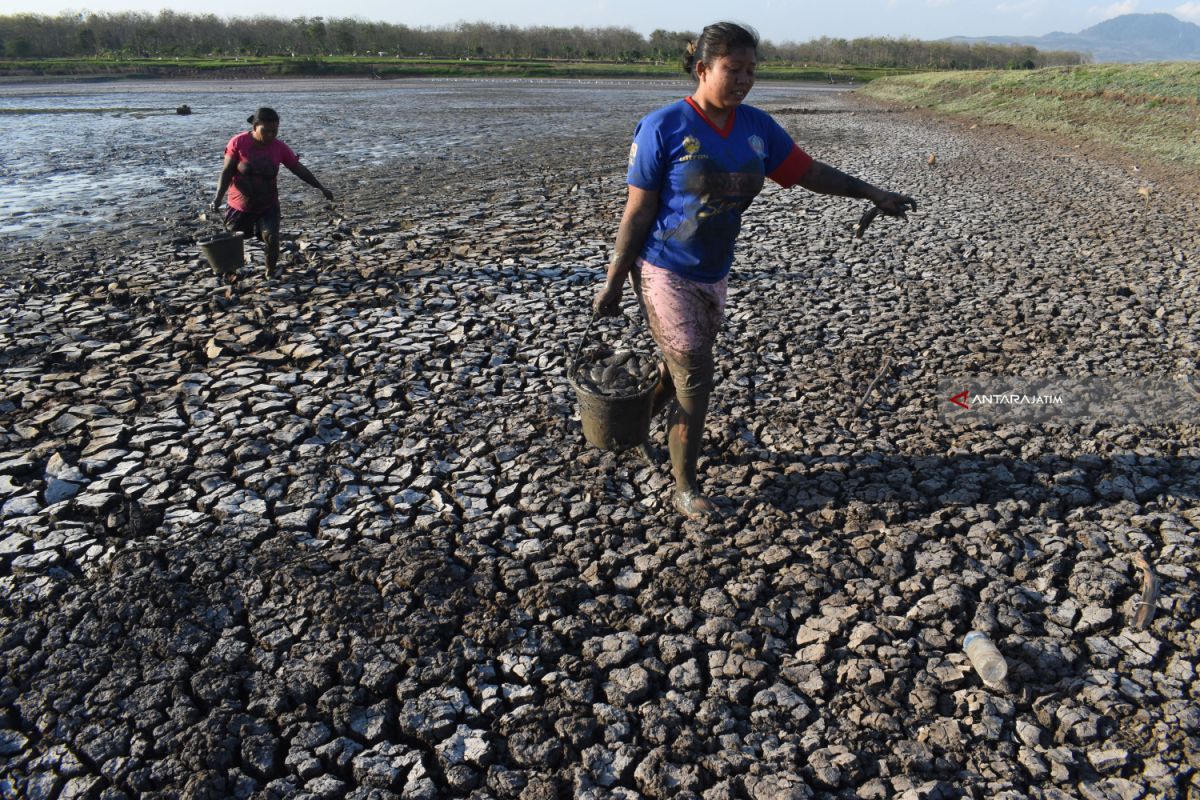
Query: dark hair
point(716, 40)
point(264, 114)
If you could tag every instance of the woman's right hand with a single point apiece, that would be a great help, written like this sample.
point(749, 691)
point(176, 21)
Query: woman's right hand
point(608, 300)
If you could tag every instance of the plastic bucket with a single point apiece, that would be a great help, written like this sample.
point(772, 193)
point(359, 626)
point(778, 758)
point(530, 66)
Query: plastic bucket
point(224, 252)
point(614, 423)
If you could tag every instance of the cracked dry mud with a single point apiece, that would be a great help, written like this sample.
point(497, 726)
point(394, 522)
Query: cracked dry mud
point(340, 536)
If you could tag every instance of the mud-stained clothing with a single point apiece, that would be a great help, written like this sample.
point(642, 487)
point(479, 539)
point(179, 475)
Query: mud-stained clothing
point(706, 178)
point(254, 187)
point(262, 225)
point(684, 317)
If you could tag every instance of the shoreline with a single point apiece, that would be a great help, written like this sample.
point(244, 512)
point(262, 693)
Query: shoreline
point(395, 70)
point(367, 82)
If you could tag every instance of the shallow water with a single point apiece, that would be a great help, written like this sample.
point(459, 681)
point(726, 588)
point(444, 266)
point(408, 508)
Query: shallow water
point(79, 156)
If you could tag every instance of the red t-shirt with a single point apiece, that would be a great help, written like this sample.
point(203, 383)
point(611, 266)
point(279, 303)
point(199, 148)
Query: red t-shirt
point(253, 187)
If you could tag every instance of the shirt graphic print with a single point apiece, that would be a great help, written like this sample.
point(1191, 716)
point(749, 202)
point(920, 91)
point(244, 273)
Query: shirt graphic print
point(706, 178)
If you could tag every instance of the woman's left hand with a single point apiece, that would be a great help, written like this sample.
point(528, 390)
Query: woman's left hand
point(328, 194)
point(894, 204)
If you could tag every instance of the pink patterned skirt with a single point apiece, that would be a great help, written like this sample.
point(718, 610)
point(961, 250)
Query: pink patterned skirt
point(684, 318)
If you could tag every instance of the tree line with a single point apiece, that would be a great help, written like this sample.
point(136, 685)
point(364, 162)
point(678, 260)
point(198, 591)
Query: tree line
point(171, 34)
point(917, 54)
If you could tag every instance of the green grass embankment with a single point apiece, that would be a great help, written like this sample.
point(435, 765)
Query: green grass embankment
point(1147, 110)
point(349, 66)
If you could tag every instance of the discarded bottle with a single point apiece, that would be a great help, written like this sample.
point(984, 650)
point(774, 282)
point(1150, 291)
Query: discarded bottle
point(985, 658)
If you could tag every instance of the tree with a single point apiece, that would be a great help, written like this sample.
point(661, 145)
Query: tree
point(668, 45)
point(30, 35)
point(19, 47)
point(313, 33)
point(85, 42)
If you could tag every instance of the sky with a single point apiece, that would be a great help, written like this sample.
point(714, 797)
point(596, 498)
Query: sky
point(776, 20)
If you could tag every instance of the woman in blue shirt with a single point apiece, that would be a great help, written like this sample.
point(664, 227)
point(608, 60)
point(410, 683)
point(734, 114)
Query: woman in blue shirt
point(694, 168)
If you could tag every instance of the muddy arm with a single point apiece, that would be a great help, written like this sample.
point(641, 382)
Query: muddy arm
point(223, 182)
point(641, 208)
point(301, 172)
point(824, 179)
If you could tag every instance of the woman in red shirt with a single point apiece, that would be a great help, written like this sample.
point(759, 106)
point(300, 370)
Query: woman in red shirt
point(252, 162)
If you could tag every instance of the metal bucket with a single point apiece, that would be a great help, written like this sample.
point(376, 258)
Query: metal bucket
point(225, 252)
point(613, 423)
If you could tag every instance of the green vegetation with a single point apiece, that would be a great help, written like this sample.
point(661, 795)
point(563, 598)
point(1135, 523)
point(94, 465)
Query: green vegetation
point(401, 67)
point(1151, 110)
point(170, 35)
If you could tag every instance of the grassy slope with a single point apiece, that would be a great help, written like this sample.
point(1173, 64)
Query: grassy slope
point(1145, 109)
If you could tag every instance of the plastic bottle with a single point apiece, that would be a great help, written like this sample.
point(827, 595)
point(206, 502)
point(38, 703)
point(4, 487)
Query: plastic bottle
point(985, 658)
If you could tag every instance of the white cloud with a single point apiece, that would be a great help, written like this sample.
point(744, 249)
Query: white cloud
point(1113, 9)
point(1188, 11)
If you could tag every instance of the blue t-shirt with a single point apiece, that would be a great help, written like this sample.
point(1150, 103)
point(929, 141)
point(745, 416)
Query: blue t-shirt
point(706, 178)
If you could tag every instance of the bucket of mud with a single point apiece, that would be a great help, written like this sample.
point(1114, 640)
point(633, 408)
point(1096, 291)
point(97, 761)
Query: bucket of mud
point(224, 252)
point(613, 423)
point(614, 387)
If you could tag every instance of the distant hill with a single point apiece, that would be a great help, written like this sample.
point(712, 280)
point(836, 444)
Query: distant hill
point(1128, 38)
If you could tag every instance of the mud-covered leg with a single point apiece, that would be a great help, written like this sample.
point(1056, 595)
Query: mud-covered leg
point(685, 440)
point(271, 240)
point(269, 233)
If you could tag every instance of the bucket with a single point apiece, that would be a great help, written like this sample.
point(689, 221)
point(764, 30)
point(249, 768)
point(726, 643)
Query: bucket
point(613, 423)
point(610, 423)
point(224, 252)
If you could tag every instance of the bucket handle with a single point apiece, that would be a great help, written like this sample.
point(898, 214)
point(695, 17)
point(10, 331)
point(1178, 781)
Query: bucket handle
point(213, 216)
point(215, 220)
point(587, 330)
point(582, 339)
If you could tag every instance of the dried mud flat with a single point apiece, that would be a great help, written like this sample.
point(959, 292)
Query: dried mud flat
point(340, 536)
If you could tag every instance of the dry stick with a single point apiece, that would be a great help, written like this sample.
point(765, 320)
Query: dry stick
point(860, 228)
point(1144, 610)
point(887, 364)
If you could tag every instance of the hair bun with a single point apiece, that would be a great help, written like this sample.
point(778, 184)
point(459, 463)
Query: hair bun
point(689, 58)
